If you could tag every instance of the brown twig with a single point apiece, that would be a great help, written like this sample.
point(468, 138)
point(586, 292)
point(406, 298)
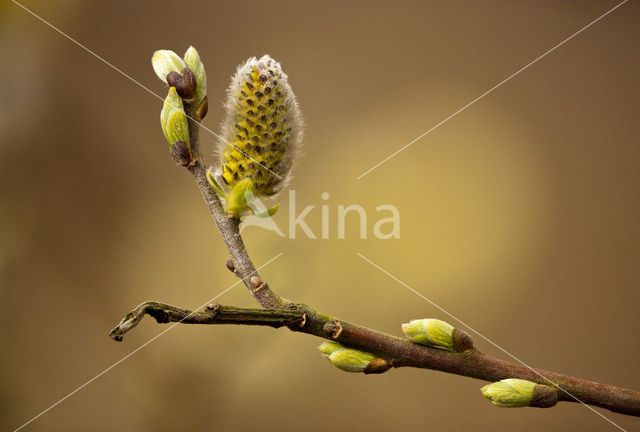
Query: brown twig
point(396, 351)
point(228, 226)
point(212, 314)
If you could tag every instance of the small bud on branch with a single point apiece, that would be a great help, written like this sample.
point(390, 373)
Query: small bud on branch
point(513, 393)
point(173, 120)
point(352, 360)
point(193, 62)
point(432, 332)
point(165, 62)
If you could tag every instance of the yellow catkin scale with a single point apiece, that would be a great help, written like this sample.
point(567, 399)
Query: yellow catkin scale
point(262, 130)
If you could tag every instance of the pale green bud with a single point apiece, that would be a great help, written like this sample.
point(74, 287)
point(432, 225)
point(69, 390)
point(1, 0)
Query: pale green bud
point(351, 360)
point(193, 62)
point(329, 347)
point(433, 332)
point(173, 119)
point(510, 393)
point(165, 61)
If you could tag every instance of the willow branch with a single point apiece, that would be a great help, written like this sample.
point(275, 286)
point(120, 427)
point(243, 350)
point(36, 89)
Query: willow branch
point(212, 314)
point(228, 226)
point(397, 352)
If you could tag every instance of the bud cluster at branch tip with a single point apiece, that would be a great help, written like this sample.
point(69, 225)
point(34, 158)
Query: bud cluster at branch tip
point(514, 393)
point(437, 333)
point(261, 135)
point(187, 75)
point(352, 360)
point(188, 82)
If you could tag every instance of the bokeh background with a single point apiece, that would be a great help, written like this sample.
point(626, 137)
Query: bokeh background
point(519, 215)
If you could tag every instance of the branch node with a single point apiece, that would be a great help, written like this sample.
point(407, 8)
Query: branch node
point(213, 307)
point(256, 283)
point(203, 108)
point(231, 266)
point(334, 328)
point(304, 320)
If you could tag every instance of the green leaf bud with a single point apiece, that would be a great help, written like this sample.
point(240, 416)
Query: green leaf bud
point(329, 347)
point(173, 119)
point(165, 61)
point(433, 332)
point(510, 393)
point(193, 62)
point(351, 360)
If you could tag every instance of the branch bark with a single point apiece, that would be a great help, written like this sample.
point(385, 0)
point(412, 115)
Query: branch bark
point(396, 351)
point(213, 314)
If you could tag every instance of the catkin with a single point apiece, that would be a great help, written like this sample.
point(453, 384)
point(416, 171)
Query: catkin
point(262, 130)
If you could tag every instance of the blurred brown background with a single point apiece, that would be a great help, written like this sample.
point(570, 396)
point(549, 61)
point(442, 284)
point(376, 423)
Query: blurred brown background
point(519, 215)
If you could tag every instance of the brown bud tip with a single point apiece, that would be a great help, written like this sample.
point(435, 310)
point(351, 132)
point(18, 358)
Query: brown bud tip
point(462, 342)
point(185, 83)
point(544, 396)
point(377, 366)
point(334, 328)
point(231, 266)
point(181, 154)
point(203, 108)
point(256, 282)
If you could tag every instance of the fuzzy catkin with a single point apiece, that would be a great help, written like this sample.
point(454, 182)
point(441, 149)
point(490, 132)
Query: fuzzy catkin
point(263, 128)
